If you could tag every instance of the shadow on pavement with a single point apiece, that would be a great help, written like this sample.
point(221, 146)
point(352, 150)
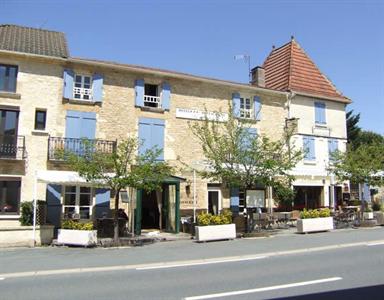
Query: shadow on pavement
point(368, 293)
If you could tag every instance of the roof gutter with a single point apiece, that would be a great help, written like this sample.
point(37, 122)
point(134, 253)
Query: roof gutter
point(345, 100)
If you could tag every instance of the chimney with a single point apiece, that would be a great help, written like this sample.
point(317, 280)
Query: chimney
point(258, 76)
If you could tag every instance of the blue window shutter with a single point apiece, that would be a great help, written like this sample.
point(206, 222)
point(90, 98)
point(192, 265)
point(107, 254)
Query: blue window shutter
point(236, 105)
point(139, 91)
point(97, 87)
point(309, 148)
point(312, 148)
point(235, 199)
point(366, 192)
point(252, 133)
point(320, 113)
point(145, 129)
point(333, 146)
point(73, 124)
point(53, 199)
point(157, 138)
point(68, 84)
point(88, 125)
point(166, 96)
point(102, 206)
point(257, 107)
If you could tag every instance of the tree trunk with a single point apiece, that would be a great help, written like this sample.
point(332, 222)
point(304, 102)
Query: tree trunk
point(116, 219)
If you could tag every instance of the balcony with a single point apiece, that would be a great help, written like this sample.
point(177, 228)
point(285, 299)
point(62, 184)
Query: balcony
point(152, 101)
point(57, 146)
point(82, 94)
point(12, 147)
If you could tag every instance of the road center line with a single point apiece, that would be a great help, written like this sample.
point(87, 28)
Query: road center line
point(264, 289)
point(375, 244)
point(206, 262)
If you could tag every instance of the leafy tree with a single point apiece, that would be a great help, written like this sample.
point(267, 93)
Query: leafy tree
point(353, 129)
point(120, 169)
point(368, 138)
point(237, 157)
point(364, 164)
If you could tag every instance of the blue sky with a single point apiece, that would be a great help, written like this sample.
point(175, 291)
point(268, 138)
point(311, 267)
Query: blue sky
point(344, 38)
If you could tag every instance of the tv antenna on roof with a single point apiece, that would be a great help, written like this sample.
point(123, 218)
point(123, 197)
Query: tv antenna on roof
point(247, 59)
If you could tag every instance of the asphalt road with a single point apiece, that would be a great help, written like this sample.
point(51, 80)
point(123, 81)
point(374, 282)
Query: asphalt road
point(335, 265)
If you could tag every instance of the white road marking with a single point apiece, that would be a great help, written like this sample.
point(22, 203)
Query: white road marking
point(375, 244)
point(206, 262)
point(2, 278)
point(264, 289)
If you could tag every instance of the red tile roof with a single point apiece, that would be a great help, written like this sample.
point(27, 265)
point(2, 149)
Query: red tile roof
point(289, 68)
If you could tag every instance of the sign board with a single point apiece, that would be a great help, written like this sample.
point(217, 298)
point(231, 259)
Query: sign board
point(255, 198)
point(194, 114)
point(124, 196)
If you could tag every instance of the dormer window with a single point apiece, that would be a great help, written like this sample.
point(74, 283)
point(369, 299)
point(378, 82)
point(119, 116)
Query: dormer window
point(246, 108)
point(82, 88)
point(151, 95)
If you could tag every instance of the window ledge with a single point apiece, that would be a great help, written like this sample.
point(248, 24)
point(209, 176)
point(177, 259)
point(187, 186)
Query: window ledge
point(310, 162)
point(152, 109)
point(321, 125)
point(12, 95)
point(83, 102)
point(39, 132)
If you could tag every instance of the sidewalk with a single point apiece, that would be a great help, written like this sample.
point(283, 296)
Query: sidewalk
point(51, 258)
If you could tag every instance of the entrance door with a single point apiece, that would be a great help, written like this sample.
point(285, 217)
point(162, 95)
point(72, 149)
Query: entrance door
point(214, 201)
point(8, 133)
point(147, 212)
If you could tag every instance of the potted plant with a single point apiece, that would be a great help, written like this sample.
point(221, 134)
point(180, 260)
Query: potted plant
point(215, 227)
point(368, 213)
point(77, 233)
point(315, 220)
point(378, 212)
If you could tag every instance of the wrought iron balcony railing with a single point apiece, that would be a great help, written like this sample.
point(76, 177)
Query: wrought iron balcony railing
point(12, 147)
point(58, 147)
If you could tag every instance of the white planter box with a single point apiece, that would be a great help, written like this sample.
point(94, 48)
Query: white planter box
point(379, 217)
point(215, 232)
point(368, 215)
point(315, 224)
point(77, 237)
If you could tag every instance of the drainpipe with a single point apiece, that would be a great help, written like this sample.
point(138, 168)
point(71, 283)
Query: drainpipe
point(34, 209)
point(194, 196)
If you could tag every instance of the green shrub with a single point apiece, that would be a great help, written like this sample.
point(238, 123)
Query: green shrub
point(205, 219)
point(376, 206)
point(72, 224)
point(26, 218)
point(315, 213)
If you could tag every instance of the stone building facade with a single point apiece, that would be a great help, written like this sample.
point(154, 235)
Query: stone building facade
point(49, 100)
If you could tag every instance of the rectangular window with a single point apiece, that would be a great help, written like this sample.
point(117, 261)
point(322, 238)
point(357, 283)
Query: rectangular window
point(9, 196)
point(245, 108)
point(8, 76)
point(320, 113)
point(77, 202)
point(151, 95)
point(82, 89)
point(333, 146)
point(40, 119)
point(9, 120)
point(309, 148)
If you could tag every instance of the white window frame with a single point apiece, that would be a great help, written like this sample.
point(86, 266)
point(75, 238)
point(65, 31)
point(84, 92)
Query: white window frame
point(246, 113)
point(85, 93)
point(77, 205)
point(215, 189)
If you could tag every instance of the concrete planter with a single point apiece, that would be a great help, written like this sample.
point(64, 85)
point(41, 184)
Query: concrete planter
point(14, 236)
point(368, 215)
point(314, 224)
point(379, 216)
point(215, 232)
point(84, 238)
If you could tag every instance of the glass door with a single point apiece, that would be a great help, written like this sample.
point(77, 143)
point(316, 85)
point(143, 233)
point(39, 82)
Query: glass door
point(8, 133)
